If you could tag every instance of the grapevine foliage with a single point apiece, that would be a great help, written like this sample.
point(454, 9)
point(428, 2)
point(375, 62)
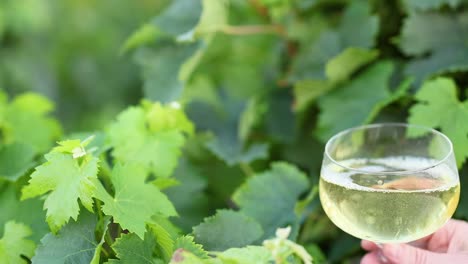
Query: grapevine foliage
point(192, 131)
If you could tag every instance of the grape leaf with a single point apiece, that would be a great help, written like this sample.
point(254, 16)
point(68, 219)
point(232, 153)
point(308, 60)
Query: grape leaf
point(74, 243)
point(364, 105)
point(270, 197)
point(357, 28)
point(226, 143)
point(67, 179)
point(28, 212)
point(430, 4)
point(438, 106)
point(250, 254)
point(156, 137)
point(227, 229)
point(417, 39)
point(462, 209)
point(229, 151)
point(13, 244)
point(159, 65)
point(337, 70)
point(340, 67)
point(171, 21)
point(26, 111)
point(280, 121)
point(187, 243)
point(15, 160)
point(214, 17)
point(165, 234)
point(444, 40)
point(131, 249)
point(134, 201)
point(98, 141)
point(189, 198)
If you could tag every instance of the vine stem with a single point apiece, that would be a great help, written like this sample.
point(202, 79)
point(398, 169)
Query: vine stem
point(246, 30)
point(253, 29)
point(108, 238)
point(248, 171)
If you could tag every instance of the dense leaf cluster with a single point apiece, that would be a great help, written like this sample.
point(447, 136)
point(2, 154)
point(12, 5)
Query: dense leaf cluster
point(217, 158)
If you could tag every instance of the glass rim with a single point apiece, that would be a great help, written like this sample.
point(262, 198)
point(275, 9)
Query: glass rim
point(394, 124)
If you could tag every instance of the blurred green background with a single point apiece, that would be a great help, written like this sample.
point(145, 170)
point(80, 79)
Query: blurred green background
point(263, 80)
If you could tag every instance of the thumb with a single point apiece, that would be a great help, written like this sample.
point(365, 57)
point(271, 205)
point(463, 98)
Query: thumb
point(406, 254)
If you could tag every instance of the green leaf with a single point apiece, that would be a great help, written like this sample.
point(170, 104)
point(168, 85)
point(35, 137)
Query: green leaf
point(189, 198)
point(317, 254)
point(355, 99)
point(14, 244)
point(28, 212)
point(226, 143)
point(146, 34)
point(357, 28)
point(439, 107)
point(417, 39)
point(131, 249)
point(160, 66)
point(270, 197)
point(337, 70)
point(227, 229)
point(15, 160)
point(307, 91)
point(31, 110)
point(187, 243)
point(74, 243)
point(155, 135)
point(164, 237)
point(135, 201)
point(341, 67)
point(213, 17)
point(430, 4)
point(173, 23)
point(232, 154)
point(66, 180)
point(442, 41)
point(250, 254)
point(160, 118)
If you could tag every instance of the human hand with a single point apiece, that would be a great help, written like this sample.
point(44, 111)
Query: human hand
point(448, 245)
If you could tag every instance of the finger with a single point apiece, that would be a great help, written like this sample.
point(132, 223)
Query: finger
point(368, 245)
point(406, 254)
point(371, 258)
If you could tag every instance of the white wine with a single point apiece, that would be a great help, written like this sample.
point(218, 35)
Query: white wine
point(389, 208)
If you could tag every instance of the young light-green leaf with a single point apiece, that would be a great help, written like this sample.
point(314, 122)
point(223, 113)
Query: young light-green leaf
point(31, 110)
point(66, 180)
point(150, 137)
point(134, 201)
point(14, 243)
point(438, 106)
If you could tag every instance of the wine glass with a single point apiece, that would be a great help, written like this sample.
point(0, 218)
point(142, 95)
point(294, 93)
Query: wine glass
point(389, 183)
